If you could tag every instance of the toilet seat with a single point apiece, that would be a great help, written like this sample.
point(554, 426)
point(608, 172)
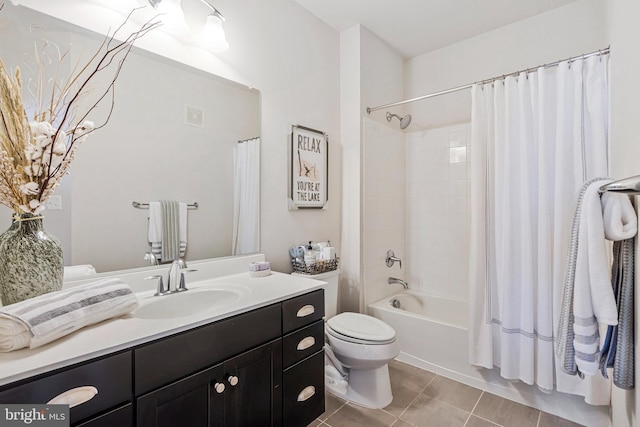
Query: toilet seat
point(360, 329)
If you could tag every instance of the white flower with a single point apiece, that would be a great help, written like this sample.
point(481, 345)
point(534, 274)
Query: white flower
point(59, 148)
point(42, 141)
point(42, 128)
point(83, 129)
point(32, 152)
point(35, 205)
point(30, 188)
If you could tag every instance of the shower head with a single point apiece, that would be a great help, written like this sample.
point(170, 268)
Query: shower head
point(404, 121)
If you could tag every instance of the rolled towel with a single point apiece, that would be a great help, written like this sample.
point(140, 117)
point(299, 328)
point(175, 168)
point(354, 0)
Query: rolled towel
point(620, 220)
point(51, 316)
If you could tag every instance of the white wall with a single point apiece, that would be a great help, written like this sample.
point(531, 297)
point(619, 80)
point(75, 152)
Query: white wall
point(293, 59)
point(438, 216)
point(564, 32)
point(383, 225)
point(370, 71)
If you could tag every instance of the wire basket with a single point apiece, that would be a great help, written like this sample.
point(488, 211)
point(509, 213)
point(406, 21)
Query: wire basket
point(315, 268)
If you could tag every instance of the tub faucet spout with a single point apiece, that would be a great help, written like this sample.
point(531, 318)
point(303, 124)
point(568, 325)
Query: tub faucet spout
point(393, 280)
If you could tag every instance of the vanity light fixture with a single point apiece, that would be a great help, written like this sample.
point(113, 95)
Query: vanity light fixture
point(212, 36)
point(171, 14)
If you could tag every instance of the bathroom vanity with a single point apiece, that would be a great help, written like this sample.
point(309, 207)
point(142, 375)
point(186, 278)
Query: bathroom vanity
point(256, 362)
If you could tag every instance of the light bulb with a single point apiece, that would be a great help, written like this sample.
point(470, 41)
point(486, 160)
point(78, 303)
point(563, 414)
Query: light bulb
point(172, 16)
point(212, 36)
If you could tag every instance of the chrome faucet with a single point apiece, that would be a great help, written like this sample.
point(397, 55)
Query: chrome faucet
point(175, 277)
point(153, 260)
point(393, 280)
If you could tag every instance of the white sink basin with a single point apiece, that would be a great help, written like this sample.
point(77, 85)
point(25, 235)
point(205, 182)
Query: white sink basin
point(189, 303)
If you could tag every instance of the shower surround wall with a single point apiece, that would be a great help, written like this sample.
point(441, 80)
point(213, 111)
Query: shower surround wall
point(383, 218)
point(437, 210)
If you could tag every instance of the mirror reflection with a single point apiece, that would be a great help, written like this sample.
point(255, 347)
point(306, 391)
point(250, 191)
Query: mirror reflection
point(173, 135)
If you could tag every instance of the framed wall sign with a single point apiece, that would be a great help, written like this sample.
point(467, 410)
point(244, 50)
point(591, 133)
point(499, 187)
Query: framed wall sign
point(309, 168)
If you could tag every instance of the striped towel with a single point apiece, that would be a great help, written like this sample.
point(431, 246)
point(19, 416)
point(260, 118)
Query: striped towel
point(168, 229)
point(618, 350)
point(40, 320)
point(587, 298)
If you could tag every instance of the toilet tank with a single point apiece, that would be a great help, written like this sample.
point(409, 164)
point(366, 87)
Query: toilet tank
point(330, 290)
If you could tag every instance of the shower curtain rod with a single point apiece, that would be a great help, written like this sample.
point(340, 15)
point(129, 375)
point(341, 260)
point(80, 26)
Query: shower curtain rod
point(491, 80)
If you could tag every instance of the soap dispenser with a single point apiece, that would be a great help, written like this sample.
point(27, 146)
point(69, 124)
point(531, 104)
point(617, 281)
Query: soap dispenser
point(309, 255)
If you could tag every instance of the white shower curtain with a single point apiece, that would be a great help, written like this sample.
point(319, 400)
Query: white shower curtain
point(536, 138)
point(246, 200)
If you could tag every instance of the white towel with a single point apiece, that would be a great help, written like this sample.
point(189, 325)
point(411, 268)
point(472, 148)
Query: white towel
point(620, 220)
point(157, 221)
point(40, 320)
point(593, 300)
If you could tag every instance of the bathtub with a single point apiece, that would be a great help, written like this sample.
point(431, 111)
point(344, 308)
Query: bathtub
point(432, 334)
point(431, 331)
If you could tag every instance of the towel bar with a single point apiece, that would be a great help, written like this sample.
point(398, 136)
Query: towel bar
point(146, 205)
point(628, 186)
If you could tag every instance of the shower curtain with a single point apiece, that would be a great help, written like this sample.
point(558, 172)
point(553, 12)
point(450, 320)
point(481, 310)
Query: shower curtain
point(246, 199)
point(536, 138)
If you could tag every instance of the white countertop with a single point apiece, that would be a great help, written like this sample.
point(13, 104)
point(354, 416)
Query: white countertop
point(128, 331)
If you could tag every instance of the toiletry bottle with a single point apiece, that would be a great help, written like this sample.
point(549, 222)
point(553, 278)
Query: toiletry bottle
point(309, 255)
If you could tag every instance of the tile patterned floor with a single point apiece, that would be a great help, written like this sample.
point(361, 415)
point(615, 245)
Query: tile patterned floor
point(424, 399)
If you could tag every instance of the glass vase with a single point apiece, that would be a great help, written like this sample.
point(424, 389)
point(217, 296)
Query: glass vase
point(31, 261)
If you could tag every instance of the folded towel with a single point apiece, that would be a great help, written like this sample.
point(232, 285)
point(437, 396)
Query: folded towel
point(620, 220)
point(78, 271)
point(40, 320)
point(168, 229)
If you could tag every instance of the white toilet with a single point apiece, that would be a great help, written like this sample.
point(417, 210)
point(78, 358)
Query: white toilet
point(358, 350)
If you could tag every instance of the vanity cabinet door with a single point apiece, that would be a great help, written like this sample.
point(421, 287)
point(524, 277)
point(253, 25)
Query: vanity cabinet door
point(253, 394)
point(193, 401)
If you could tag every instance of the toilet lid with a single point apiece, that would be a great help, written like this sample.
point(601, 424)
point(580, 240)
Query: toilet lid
point(361, 327)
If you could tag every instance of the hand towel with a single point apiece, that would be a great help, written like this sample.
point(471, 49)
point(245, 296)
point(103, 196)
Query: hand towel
point(593, 299)
point(168, 229)
point(620, 220)
point(51, 316)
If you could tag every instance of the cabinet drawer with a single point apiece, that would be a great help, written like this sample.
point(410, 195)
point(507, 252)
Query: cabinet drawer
point(303, 391)
point(166, 360)
point(121, 417)
point(111, 376)
point(302, 343)
point(303, 310)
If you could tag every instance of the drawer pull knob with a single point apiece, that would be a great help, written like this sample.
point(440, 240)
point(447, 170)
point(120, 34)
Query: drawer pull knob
point(306, 393)
point(305, 311)
point(218, 387)
point(75, 396)
point(232, 380)
point(305, 343)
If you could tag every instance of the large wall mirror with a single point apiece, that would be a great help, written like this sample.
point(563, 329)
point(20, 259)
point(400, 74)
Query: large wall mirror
point(150, 150)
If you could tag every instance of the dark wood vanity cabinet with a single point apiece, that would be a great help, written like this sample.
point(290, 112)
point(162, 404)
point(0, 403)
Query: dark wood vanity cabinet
point(242, 391)
point(261, 368)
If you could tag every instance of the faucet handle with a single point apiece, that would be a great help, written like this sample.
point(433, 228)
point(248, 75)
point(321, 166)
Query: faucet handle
point(161, 290)
point(182, 286)
point(392, 258)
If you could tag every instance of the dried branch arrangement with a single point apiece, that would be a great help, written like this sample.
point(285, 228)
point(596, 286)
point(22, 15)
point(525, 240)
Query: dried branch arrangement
point(36, 151)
